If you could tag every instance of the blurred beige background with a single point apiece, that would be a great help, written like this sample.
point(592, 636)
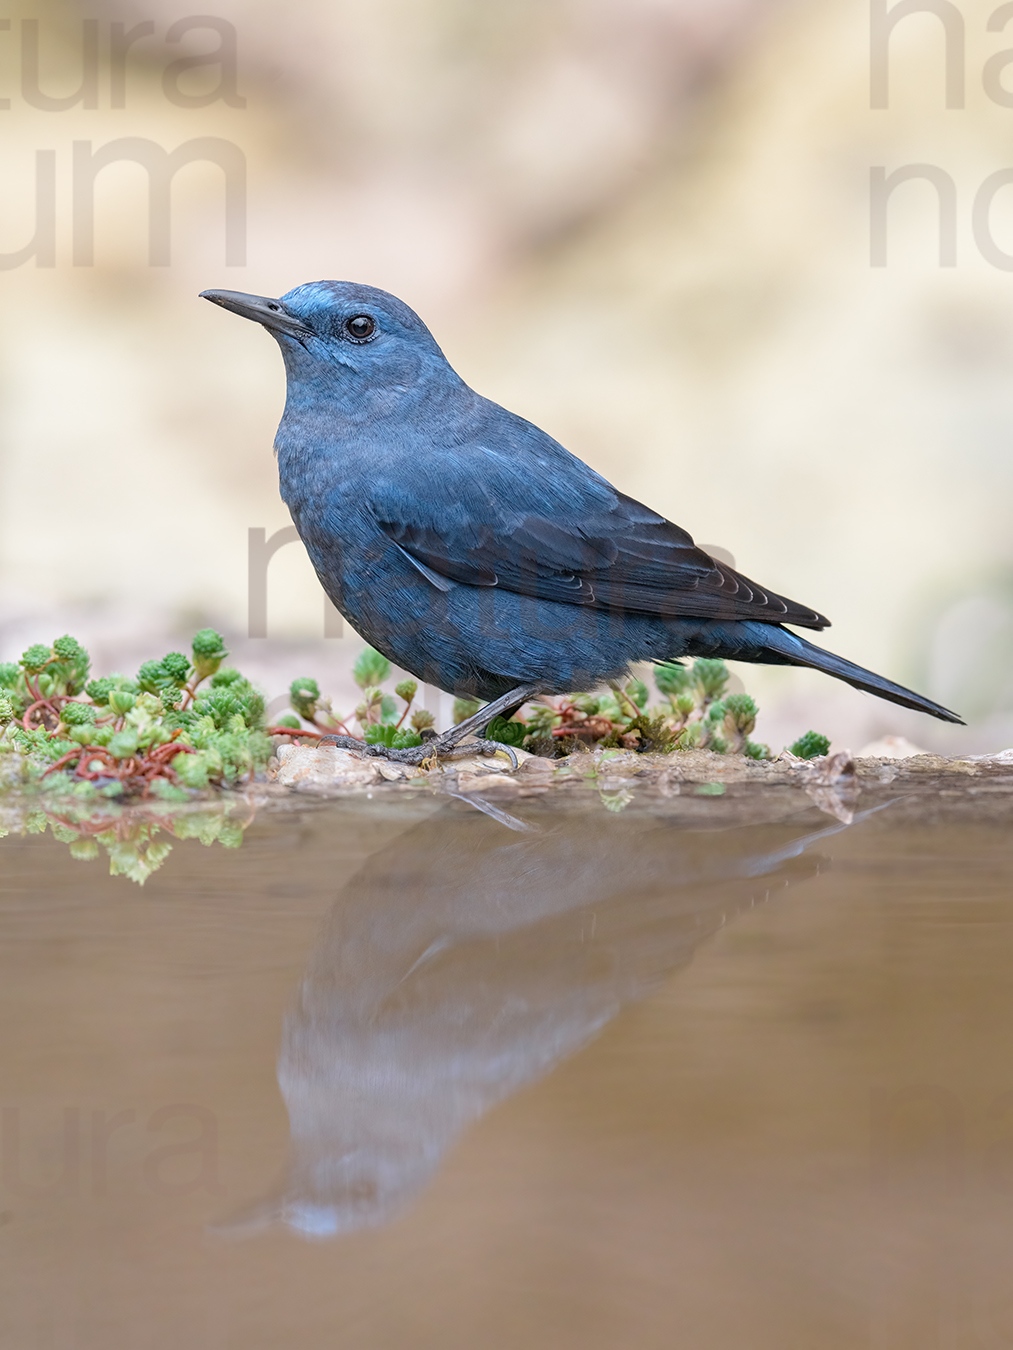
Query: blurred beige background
point(644, 224)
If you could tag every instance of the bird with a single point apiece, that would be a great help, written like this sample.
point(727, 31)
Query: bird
point(471, 548)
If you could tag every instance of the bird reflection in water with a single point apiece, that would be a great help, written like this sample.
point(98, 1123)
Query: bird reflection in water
point(470, 959)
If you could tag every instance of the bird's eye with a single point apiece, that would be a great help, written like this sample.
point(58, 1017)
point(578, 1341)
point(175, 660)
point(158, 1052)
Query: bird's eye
point(360, 327)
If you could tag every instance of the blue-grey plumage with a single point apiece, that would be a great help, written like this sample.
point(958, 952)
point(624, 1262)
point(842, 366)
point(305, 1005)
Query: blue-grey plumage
point(470, 547)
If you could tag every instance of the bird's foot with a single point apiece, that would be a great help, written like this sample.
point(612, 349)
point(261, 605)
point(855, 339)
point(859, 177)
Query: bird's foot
point(461, 742)
point(444, 748)
point(431, 751)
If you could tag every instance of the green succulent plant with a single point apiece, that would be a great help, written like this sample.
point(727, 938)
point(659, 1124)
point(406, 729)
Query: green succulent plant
point(506, 733)
point(119, 737)
point(711, 677)
point(810, 746)
point(304, 695)
point(672, 680)
point(385, 733)
point(190, 723)
point(371, 669)
point(208, 652)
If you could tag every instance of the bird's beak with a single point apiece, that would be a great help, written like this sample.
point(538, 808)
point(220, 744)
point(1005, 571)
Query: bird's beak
point(261, 309)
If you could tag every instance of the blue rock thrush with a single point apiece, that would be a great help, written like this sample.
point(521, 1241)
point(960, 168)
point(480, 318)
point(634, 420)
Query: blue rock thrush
point(471, 548)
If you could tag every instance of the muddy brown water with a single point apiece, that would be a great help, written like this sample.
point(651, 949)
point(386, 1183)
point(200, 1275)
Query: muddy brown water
point(705, 1071)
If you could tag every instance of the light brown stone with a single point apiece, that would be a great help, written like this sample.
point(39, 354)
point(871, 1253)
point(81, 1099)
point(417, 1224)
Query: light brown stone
point(317, 768)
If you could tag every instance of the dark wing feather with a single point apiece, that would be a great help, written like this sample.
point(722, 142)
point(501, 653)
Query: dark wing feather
point(615, 554)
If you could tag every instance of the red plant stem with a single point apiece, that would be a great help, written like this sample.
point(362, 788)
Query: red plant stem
point(622, 695)
point(34, 689)
point(64, 759)
point(168, 749)
point(39, 703)
point(88, 754)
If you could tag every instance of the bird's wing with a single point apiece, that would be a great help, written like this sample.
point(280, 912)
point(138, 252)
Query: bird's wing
point(535, 520)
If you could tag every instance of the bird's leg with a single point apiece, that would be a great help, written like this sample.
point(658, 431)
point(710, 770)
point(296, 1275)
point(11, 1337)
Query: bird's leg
point(448, 745)
point(505, 705)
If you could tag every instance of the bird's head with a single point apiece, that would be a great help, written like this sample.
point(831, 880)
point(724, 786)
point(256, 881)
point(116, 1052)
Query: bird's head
point(342, 335)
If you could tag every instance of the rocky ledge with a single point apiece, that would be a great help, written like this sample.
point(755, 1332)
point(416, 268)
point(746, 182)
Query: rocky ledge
point(326, 769)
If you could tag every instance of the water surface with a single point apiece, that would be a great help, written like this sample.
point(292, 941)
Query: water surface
point(714, 1071)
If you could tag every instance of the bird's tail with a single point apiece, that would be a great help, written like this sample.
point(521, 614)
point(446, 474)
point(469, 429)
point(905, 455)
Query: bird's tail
point(796, 651)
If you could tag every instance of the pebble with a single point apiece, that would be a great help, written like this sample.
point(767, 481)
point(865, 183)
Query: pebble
point(314, 768)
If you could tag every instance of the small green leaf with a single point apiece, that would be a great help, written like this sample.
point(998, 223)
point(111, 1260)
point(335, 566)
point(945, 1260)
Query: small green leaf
point(192, 770)
point(304, 695)
point(209, 652)
point(671, 679)
point(506, 733)
point(78, 714)
point(151, 676)
point(711, 675)
point(810, 746)
point(177, 667)
point(385, 733)
point(69, 649)
point(542, 719)
point(35, 658)
point(123, 744)
point(742, 710)
point(371, 668)
point(99, 690)
point(121, 701)
point(637, 691)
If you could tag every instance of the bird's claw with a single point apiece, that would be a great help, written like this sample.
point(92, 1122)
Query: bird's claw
point(429, 752)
